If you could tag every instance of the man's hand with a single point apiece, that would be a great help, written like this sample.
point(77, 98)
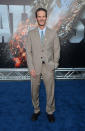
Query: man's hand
point(33, 73)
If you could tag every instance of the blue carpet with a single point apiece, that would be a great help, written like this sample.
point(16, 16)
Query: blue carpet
point(16, 107)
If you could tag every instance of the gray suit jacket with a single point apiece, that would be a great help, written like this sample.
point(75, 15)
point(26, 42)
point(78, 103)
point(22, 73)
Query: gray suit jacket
point(50, 49)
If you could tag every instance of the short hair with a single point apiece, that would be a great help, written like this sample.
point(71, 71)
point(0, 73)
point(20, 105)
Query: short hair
point(41, 9)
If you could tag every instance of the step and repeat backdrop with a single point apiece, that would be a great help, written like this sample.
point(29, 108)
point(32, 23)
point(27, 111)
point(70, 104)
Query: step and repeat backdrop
point(17, 17)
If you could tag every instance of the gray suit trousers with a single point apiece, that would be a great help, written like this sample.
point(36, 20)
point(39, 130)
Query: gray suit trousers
point(48, 78)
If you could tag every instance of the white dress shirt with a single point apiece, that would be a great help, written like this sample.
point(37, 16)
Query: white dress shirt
point(44, 30)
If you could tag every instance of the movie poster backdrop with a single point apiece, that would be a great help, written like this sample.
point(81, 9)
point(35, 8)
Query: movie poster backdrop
point(17, 18)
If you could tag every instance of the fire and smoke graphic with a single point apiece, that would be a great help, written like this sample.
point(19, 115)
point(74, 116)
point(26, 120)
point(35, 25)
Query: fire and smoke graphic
point(62, 15)
point(17, 44)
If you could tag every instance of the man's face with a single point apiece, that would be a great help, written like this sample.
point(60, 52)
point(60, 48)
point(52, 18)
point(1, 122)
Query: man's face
point(41, 18)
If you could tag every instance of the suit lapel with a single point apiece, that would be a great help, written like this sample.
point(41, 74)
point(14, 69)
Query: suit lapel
point(37, 35)
point(46, 38)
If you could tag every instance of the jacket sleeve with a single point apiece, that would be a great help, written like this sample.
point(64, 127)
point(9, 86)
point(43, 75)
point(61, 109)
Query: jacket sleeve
point(56, 50)
point(29, 52)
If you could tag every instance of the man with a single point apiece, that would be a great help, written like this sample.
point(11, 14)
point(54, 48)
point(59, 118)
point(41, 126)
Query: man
point(43, 52)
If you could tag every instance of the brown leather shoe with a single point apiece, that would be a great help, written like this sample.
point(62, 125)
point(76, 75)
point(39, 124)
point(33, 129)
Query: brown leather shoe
point(35, 116)
point(51, 117)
